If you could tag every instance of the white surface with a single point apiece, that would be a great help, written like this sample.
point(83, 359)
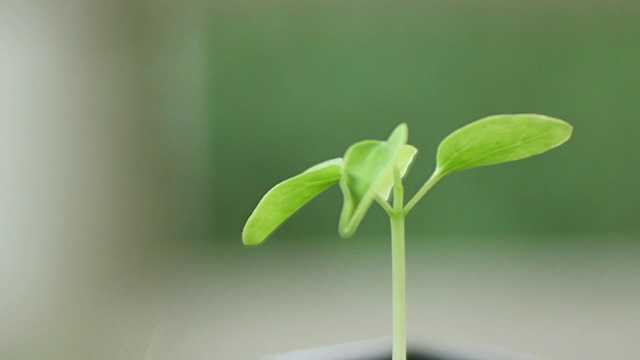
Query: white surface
point(575, 302)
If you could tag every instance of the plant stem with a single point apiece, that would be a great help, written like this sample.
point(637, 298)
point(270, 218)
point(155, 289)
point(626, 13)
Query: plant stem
point(398, 272)
point(433, 179)
point(384, 205)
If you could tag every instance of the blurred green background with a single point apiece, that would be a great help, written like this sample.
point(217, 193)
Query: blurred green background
point(137, 137)
point(294, 83)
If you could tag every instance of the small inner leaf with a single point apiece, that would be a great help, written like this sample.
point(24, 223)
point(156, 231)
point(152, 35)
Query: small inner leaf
point(287, 197)
point(500, 138)
point(367, 172)
point(404, 160)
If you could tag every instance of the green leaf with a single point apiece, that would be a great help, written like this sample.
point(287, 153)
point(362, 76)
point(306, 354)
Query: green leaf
point(367, 172)
point(500, 138)
point(284, 199)
point(404, 160)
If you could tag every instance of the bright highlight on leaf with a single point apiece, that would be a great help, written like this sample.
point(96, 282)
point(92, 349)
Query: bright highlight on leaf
point(368, 172)
point(284, 199)
point(500, 138)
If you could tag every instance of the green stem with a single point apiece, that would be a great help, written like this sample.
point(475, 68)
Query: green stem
point(384, 205)
point(437, 175)
point(398, 272)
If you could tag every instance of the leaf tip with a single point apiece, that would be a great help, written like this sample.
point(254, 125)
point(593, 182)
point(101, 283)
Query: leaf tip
point(345, 232)
point(249, 239)
point(402, 130)
point(567, 127)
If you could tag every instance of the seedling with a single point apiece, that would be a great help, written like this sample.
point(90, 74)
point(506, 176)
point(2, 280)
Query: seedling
point(370, 170)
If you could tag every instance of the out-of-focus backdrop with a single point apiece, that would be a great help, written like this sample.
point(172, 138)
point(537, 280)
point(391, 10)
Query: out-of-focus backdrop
point(136, 137)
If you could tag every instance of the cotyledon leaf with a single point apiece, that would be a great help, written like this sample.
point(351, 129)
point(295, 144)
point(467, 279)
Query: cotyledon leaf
point(500, 138)
point(367, 172)
point(287, 197)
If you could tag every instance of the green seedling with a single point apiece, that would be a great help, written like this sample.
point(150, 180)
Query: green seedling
point(371, 170)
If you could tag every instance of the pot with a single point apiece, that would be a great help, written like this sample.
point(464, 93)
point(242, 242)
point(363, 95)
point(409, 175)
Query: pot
point(380, 349)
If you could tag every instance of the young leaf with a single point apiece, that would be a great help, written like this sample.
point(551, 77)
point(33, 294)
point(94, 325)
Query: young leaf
point(404, 160)
point(500, 138)
point(367, 172)
point(284, 199)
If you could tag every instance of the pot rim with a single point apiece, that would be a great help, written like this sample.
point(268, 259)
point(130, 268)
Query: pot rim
point(377, 346)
